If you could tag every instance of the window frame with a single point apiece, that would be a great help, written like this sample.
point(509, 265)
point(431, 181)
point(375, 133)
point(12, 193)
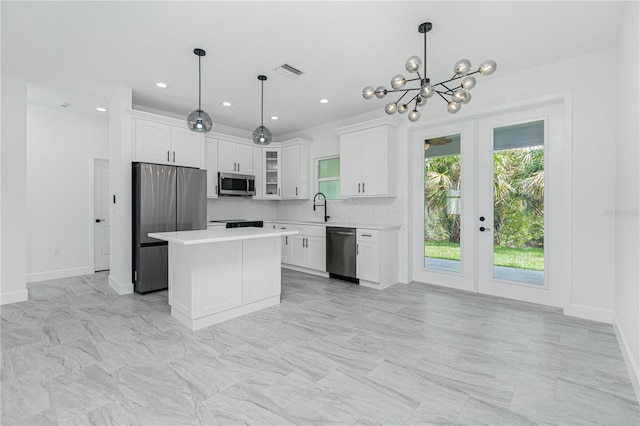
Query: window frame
point(318, 179)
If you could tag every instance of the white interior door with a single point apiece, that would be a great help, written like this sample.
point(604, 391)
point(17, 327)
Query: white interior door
point(101, 214)
point(521, 205)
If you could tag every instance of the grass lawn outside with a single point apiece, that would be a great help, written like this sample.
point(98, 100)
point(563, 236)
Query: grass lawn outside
point(524, 258)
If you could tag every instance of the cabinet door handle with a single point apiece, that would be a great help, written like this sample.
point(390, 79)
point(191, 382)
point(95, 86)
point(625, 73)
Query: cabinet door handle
point(234, 167)
point(216, 189)
point(363, 187)
point(238, 166)
point(174, 156)
point(367, 235)
point(357, 249)
point(168, 156)
point(286, 240)
point(296, 191)
point(358, 187)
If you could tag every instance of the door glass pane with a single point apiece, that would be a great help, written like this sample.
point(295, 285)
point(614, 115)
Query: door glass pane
point(518, 202)
point(442, 203)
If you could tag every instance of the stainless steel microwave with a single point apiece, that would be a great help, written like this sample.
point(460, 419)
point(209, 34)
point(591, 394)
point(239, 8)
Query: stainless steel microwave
point(235, 184)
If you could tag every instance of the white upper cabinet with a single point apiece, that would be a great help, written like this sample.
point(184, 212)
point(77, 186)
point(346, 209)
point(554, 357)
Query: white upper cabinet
point(235, 158)
point(295, 171)
point(368, 162)
point(271, 172)
point(165, 144)
point(211, 164)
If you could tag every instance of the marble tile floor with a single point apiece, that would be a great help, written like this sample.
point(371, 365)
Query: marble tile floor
point(331, 353)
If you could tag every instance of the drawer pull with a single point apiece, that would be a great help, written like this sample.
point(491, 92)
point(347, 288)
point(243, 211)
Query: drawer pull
point(367, 235)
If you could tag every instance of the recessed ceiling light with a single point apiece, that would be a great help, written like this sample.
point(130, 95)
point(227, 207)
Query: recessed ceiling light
point(161, 85)
point(227, 104)
point(324, 101)
point(273, 117)
point(101, 109)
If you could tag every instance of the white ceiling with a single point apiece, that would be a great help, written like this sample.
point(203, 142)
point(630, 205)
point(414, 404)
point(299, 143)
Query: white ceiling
point(80, 52)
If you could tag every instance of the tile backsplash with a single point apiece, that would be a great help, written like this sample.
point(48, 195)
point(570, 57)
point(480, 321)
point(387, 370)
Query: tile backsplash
point(379, 211)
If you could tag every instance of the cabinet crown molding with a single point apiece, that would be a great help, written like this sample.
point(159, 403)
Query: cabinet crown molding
point(385, 121)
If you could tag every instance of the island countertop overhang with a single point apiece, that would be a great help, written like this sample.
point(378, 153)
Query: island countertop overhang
point(207, 236)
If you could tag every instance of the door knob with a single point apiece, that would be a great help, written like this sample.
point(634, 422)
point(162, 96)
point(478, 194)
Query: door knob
point(98, 220)
point(481, 218)
point(482, 229)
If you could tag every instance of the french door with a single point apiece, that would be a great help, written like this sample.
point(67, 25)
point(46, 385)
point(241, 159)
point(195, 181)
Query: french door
point(489, 210)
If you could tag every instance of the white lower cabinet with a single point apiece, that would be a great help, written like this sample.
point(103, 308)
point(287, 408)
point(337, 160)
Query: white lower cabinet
point(377, 257)
point(306, 250)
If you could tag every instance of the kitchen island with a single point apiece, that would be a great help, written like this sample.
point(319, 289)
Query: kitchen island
point(219, 274)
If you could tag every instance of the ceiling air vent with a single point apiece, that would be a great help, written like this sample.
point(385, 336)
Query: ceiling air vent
point(289, 71)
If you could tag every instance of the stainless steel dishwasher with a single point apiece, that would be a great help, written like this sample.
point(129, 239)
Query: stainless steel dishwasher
point(341, 253)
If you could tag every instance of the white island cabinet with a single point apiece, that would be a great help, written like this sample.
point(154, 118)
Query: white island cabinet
point(219, 274)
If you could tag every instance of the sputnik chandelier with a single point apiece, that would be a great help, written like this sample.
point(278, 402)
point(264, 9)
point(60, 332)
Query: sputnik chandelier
point(454, 96)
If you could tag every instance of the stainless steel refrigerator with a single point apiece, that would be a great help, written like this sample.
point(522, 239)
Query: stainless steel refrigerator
point(165, 198)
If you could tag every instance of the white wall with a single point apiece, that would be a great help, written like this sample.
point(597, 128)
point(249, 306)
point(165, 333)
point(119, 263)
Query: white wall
point(61, 146)
point(593, 126)
point(13, 286)
point(627, 190)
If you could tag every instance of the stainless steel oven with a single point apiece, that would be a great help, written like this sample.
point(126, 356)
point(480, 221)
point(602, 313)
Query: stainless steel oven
point(235, 184)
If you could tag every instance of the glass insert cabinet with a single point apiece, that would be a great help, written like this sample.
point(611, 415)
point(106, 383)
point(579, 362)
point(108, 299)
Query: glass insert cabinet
point(272, 172)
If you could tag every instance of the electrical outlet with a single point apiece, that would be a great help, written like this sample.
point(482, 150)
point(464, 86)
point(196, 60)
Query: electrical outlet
point(56, 251)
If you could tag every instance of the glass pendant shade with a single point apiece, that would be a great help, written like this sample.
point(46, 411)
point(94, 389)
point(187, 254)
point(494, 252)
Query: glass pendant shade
point(468, 83)
point(488, 67)
point(381, 92)
point(262, 136)
point(427, 90)
point(402, 108)
point(453, 107)
point(391, 108)
point(413, 64)
point(414, 115)
point(199, 121)
point(462, 66)
point(421, 101)
point(398, 81)
point(368, 92)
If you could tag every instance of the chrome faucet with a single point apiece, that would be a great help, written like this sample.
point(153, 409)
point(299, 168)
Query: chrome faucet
point(326, 218)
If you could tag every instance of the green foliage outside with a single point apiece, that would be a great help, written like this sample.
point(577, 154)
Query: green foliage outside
point(518, 203)
point(513, 257)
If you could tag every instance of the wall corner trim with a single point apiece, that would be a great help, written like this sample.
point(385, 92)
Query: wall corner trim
point(632, 367)
point(589, 313)
point(14, 297)
point(120, 288)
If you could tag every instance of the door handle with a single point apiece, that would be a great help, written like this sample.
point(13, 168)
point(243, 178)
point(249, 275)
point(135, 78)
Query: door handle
point(357, 249)
point(482, 229)
point(358, 187)
point(296, 191)
point(286, 240)
point(363, 187)
point(168, 156)
point(174, 156)
point(100, 220)
point(238, 166)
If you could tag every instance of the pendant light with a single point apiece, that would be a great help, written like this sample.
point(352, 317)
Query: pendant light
point(454, 94)
point(262, 135)
point(198, 120)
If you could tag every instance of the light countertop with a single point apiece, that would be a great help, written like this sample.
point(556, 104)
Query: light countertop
point(338, 224)
point(217, 235)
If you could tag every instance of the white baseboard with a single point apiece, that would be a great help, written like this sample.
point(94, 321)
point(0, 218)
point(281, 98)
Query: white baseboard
point(14, 297)
point(590, 313)
point(632, 366)
point(60, 273)
point(120, 288)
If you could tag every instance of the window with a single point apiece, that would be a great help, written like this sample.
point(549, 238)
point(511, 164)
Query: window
point(329, 177)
